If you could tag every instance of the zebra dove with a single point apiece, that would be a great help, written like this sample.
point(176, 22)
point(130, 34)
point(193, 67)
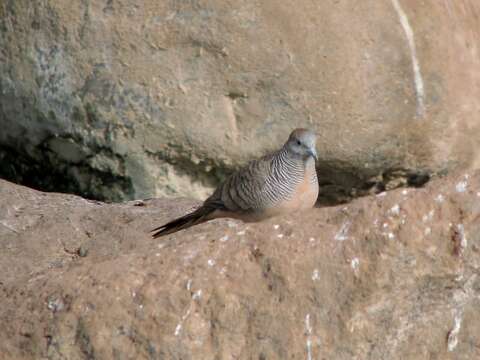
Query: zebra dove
point(279, 183)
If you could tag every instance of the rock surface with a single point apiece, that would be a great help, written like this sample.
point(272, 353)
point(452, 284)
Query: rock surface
point(116, 100)
point(393, 276)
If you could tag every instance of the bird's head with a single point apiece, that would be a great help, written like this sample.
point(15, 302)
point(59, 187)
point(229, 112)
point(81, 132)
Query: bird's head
point(302, 143)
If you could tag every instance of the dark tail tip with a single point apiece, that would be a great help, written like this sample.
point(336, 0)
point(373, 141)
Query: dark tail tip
point(158, 232)
point(168, 228)
point(181, 223)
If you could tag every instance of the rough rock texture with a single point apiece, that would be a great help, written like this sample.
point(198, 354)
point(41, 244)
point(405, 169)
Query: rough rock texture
point(393, 276)
point(118, 99)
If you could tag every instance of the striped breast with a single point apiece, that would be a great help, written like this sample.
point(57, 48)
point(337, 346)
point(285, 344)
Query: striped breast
point(292, 185)
point(268, 187)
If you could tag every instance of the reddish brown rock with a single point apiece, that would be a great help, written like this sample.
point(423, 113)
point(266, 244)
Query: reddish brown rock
point(395, 276)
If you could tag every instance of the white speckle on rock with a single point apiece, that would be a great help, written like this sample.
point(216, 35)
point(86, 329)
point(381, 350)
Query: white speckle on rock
point(428, 231)
point(315, 275)
point(342, 234)
point(429, 216)
point(231, 224)
point(308, 326)
point(211, 262)
point(311, 239)
point(178, 328)
point(404, 192)
point(197, 294)
point(355, 263)
point(385, 225)
point(391, 235)
point(452, 339)
point(440, 198)
point(224, 238)
point(280, 236)
point(478, 194)
point(276, 226)
point(382, 194)
point(241, 233)
point(157, 254)
point(395, 209)
point(11, 228)
point(56, 304)
point(308, 329)
point(431, 250)
point(463, 238)
point(134, 294)
point(461, 186)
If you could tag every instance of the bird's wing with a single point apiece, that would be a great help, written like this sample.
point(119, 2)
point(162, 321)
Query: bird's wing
point(242, 191)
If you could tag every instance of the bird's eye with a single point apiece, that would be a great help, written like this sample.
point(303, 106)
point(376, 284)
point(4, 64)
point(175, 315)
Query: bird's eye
point(298, 142)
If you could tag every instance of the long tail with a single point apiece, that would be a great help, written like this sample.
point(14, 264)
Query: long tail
point(197, 217)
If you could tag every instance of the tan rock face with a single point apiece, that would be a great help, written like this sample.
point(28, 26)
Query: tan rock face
point(394, 276)
point(120, 100)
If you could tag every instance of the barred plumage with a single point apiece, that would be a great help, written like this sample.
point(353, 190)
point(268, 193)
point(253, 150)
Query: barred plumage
point(282, 182)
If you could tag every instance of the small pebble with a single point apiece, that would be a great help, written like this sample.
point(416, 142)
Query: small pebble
point(82, 251)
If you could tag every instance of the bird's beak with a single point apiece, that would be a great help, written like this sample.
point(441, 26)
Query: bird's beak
point(313, 152)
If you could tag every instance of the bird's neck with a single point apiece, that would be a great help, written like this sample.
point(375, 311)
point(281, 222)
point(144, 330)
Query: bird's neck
point(291, 161)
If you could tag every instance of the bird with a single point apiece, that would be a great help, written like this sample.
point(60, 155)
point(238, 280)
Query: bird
point(281, 182)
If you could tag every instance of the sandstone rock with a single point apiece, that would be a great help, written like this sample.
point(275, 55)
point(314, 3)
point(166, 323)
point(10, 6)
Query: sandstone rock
point(117, 100)
point(393, 276)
